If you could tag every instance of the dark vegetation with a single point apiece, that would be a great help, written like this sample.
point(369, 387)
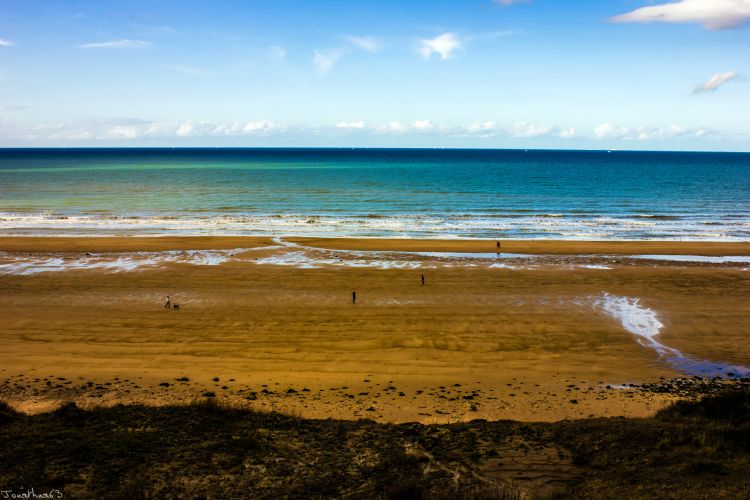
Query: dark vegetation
point(698, 449)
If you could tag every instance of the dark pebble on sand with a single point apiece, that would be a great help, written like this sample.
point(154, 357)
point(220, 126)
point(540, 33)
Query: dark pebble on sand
point(209, 395)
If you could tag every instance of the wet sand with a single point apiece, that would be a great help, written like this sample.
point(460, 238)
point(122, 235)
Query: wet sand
point(542, 247)
point(474, 342)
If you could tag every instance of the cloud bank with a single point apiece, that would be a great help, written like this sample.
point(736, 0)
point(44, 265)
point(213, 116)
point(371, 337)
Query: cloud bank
point(258, 132)
point(609, 131)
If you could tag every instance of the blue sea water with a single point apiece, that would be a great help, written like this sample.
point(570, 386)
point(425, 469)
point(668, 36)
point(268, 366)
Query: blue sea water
point(376, 192)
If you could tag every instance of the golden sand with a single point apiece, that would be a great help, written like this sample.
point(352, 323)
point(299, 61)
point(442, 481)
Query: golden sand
point(471, 343)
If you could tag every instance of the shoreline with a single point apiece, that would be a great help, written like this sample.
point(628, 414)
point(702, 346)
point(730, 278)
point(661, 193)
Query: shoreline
point(534, 247)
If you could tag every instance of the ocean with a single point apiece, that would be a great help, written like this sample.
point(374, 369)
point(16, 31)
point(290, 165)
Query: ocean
point(409, 193)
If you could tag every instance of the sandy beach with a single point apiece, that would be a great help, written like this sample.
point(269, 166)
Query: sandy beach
point(271, 325)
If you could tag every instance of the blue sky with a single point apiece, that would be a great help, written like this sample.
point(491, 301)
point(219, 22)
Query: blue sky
point(604, 74)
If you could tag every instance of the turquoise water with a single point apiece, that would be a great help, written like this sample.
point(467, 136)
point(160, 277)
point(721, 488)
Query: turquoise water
point(376, 192)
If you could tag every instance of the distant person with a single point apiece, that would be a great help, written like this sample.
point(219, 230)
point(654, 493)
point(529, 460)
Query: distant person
point(423, 280)
point(354, 297)
point(168, 305)
point(497, 243)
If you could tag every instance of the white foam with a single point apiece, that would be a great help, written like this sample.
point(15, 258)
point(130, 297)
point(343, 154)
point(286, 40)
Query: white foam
point(638, 320)
point(511, 225)
point(594, 266)
point(312, 260)
point(503, 265)
point(20, 264)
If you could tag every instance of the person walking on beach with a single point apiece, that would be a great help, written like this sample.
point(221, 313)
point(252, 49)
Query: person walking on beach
point(497, 243)
point(423, 280)
point(354, 297)
point(168, 305)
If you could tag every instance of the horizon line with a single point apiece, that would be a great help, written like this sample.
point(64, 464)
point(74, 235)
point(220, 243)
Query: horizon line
point(355, 148)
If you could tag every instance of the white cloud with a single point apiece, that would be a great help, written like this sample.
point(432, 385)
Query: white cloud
point(419, 126)
point(366, 43)
point(393, 128)
point(715, 82)
point(263, 128)
point(481, 129)
point(524, 129)
point(159, 129)
point(6, 43)
point(423, 125)
point(277, 53)
point(351, 125)
point(567, 133)
point(186, 128)
point(712, 14)
point(115, 44)
point(609, 131)
point(444, 45)
point(192, 128)
point(121, 132)
point(325, 61)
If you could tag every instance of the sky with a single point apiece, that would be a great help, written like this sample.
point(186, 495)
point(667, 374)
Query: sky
point(594, 74)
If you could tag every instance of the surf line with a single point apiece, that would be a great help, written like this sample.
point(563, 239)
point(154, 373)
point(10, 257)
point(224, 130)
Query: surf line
point(644, 323)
